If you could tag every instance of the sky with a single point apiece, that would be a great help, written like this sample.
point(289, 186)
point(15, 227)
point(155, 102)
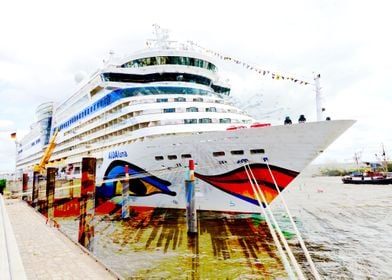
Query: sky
point(44, 44)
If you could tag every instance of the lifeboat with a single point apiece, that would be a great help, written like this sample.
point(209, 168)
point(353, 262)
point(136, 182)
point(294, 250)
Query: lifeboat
point(255, 125)
point(233, 127)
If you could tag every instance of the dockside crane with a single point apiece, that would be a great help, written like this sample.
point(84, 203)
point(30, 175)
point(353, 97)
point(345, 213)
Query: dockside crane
point(47, 154)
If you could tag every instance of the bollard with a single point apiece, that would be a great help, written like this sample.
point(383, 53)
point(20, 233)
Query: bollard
point(50, 186)
point(25, 179)
point(34, 197)
point(87, 203)
point(125, 195)
point(191, 214)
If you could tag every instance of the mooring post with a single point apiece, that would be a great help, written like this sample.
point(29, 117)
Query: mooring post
point(191, 214)
point(34, 197)
point(125, 195)
point(50, 186)
point(87, 203)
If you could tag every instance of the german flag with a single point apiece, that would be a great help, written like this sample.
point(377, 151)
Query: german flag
point(13, 135)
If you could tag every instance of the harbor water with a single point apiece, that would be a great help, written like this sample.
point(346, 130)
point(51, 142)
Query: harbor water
point(346, 229)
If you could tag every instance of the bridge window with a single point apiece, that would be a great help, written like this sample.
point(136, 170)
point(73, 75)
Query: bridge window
point(176, 60)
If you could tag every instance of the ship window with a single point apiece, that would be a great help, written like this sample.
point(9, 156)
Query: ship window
point(225, 120)
point(171, 157)
point(211, 109)
point(178, 60)
point(257, 151)
point(179, 99)
point(218, 154)
point(222, 90)
point(198, 99)
point(158, 157)
point(169, 110)
point(162, 99)
point(188, 121)
point(237, 152)
point(192, 109)
point(205, 120)
point(186, 156)
point(157, 77)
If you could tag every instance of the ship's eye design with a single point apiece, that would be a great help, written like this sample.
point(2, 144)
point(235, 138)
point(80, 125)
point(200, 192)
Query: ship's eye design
point(237, 183)
point(141, 183)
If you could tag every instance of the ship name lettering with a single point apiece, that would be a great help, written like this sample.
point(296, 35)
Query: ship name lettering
point(117, 154)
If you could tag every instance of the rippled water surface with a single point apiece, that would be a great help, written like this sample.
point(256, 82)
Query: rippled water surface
point(346, 228)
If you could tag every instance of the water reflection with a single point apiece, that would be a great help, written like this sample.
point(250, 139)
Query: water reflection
point(154, 244)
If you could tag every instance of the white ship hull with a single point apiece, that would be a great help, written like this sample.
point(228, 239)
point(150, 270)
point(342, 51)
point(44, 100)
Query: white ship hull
point(289, 150)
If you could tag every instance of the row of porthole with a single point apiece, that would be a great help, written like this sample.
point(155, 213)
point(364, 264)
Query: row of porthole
point(215, 154)
point(172, 157)
point(238, 152)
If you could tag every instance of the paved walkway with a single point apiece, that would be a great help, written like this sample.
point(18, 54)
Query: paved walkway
point(11, 266)
point(46, 252)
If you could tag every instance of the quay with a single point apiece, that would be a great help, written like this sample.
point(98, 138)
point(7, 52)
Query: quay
point(41, 251)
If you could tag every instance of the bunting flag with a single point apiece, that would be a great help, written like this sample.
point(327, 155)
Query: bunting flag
point(263, 72)
point(13, 135)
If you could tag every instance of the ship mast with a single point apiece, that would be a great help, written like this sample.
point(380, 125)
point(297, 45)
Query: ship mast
point(161, 38)
point(385, 163)
point(357, 156)
point(318, 98)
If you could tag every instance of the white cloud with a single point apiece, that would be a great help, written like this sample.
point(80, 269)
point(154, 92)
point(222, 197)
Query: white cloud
point(6, 125)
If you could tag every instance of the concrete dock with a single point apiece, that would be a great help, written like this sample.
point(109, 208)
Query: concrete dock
point(45, 252)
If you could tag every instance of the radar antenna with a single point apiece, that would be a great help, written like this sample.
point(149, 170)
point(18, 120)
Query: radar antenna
point(161, 38)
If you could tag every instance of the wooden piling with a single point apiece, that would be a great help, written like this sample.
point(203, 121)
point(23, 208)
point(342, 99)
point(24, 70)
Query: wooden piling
point(34, 197)
point(25, 179)
point(125, 195)
point(50, 189)
point(191, 213)
point(87, 203)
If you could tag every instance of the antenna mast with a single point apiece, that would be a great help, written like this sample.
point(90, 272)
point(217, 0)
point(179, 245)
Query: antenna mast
point(161, 37)
point(318, 98)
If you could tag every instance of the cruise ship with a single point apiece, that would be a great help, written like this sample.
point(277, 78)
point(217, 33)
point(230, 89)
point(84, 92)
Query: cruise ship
point(154, 111)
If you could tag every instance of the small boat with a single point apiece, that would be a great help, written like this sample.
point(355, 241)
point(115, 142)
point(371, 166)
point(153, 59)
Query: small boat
point(376, 175)
point(368, 178)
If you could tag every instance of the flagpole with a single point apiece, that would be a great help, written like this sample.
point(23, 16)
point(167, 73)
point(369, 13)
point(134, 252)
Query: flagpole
point(318, 97)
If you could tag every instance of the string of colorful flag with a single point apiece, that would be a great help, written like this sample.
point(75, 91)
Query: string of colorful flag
point(274, 75)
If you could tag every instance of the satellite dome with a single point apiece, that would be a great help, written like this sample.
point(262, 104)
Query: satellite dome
point(79, 76)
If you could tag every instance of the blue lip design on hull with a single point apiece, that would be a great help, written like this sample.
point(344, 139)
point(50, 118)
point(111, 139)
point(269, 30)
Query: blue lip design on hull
point(141, 182)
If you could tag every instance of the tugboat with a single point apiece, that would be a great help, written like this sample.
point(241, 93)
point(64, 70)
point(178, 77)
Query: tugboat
point(373, 177)
point(367, 178)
